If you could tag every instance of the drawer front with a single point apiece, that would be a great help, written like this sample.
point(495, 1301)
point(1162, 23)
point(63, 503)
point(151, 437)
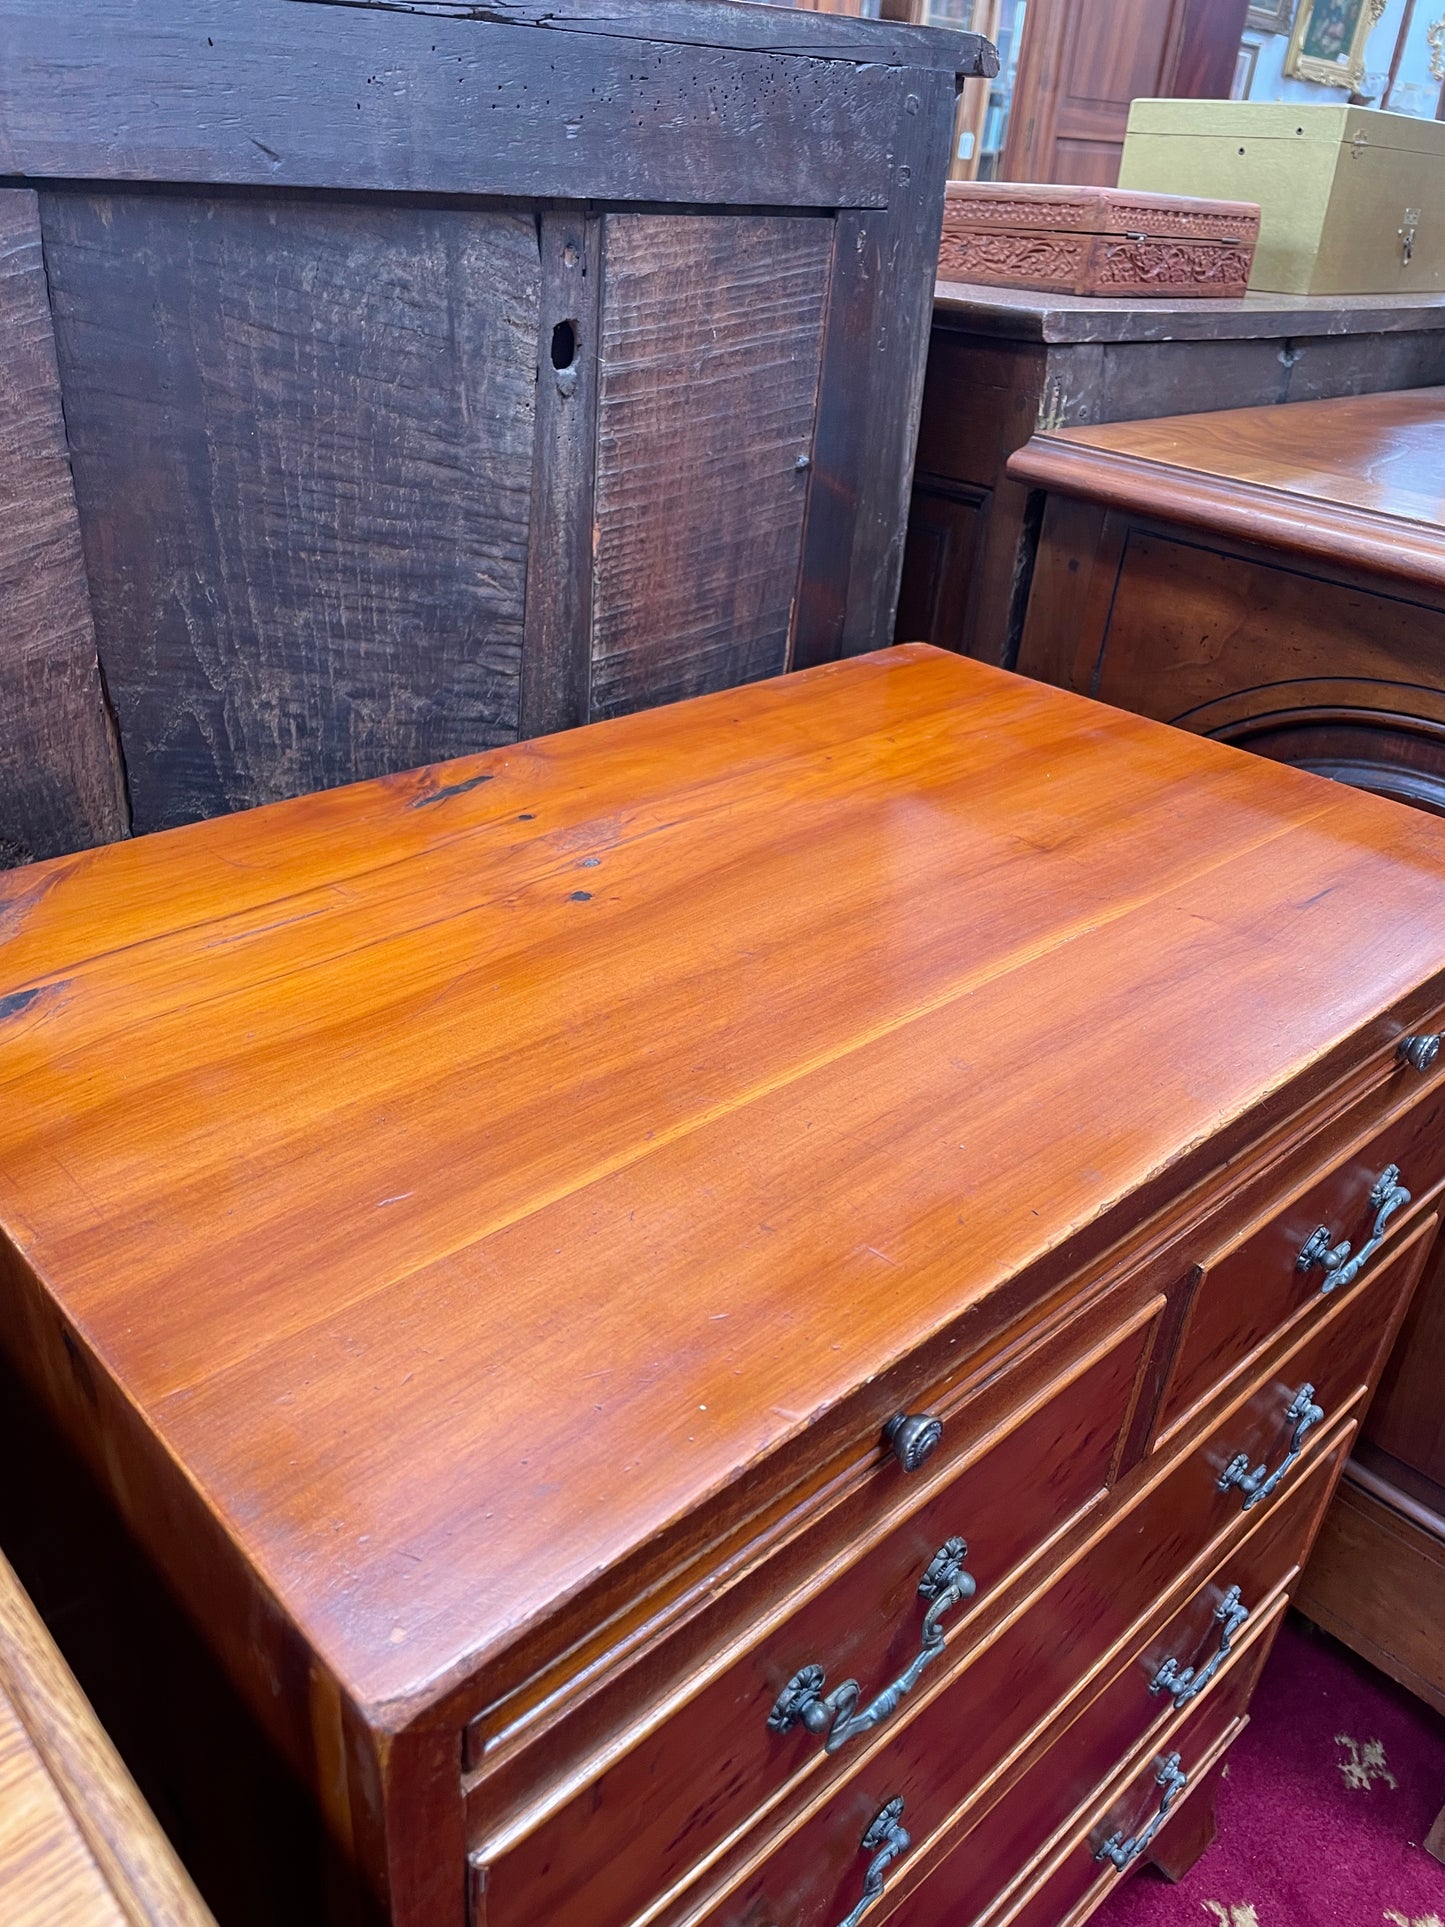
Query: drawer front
point(1249, 1290)
point(948, 1751)
point(1075, 1880)
point(702, 1774)
point(1010, 1688)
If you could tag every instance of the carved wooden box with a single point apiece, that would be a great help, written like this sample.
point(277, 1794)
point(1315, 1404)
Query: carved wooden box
point(1095, 240)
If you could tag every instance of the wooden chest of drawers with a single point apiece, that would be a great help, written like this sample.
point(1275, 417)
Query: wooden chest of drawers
point(723, 1319)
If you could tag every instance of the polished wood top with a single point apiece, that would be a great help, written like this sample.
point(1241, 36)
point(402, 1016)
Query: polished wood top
point(1026, 315)
point(1360, 478)
point(78, 1845)
point(467, 1176)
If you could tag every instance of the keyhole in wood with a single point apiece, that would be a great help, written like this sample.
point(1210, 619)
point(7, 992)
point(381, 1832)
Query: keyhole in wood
point(564, 345)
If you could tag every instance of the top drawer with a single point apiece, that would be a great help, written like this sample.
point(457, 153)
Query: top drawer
point(1320, 1240)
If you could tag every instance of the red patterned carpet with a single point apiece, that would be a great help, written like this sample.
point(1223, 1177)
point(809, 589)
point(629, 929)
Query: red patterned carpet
point(1328, 1795)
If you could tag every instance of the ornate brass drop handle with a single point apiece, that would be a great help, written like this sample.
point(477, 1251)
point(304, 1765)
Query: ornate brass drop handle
point(1388, 1197)
point(1257, 1485)
point(945, 1584)
point(1187, 1684)
point(1124, 1852)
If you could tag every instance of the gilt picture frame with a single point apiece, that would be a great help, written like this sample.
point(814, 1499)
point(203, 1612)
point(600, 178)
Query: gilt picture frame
point(1270, 16)
point(1327, 44)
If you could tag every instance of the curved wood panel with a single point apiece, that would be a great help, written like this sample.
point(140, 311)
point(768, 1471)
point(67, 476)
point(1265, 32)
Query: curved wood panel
point(1359, 481)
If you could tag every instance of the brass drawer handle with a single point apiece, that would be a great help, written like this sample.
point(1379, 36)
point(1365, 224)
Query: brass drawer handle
point(946, 1585)
point(1257, 1485)
point(1230, 1614)
point(885, 1840)
point(1388, 1197)
point(1124, 1852)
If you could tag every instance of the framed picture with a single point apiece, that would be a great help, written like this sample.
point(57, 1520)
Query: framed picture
point(1328, 42)
point(1271, 16)
point(1245, 62)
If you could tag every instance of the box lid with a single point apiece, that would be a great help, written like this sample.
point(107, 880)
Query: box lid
point(1332, 124)
point(1095, 210)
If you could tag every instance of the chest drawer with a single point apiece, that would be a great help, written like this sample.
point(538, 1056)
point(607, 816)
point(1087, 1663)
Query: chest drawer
point(1136, 1808)
point(1333, 1229)
point(873, 1628)
point(1032, 1680)
point(1011, 1689)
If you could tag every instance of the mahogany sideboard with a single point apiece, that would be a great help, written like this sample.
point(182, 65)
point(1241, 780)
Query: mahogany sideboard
point(1004, 364)
point(382, 382)
point(720, 1319)
point(78, 1846)
point(1275, 578)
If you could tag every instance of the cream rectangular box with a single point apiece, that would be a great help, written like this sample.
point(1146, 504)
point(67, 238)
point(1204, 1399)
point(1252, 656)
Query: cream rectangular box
point(1352, 201)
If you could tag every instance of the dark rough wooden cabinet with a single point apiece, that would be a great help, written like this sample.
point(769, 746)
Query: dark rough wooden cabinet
point(381, 383)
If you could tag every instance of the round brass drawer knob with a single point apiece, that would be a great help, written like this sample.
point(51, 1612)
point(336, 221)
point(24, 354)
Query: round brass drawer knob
point(913, 1437)
point(1419, 1052)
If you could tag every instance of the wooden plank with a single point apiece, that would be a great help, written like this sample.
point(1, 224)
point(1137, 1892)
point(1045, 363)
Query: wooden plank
point(78, 1845)
point(899, 342)
point(275, 94)
point(62, 787)
point(302, 440)
point(556, 666)
point(47, 1876)
point(718, 23)
point(840, 442)
point(711, 345)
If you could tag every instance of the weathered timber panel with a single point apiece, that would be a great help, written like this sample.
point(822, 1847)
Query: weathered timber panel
point(712, 332)
point(61, 787)
point(302, 439)
point(274, 94)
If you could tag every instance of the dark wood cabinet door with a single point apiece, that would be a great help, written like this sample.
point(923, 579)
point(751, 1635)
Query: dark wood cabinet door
point(1084, 61)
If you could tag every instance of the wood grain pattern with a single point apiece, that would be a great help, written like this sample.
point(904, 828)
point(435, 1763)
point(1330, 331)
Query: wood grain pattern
point(1356, 480)
point(304, 570)
point(282, 94)
point(556, 644)
point(1375, 1582)
point(403, 1220)
point(469, 1218)
point(78, 1846)
point(711, 22)
point(711, 338)
point(907, 249)
point(63, 788)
